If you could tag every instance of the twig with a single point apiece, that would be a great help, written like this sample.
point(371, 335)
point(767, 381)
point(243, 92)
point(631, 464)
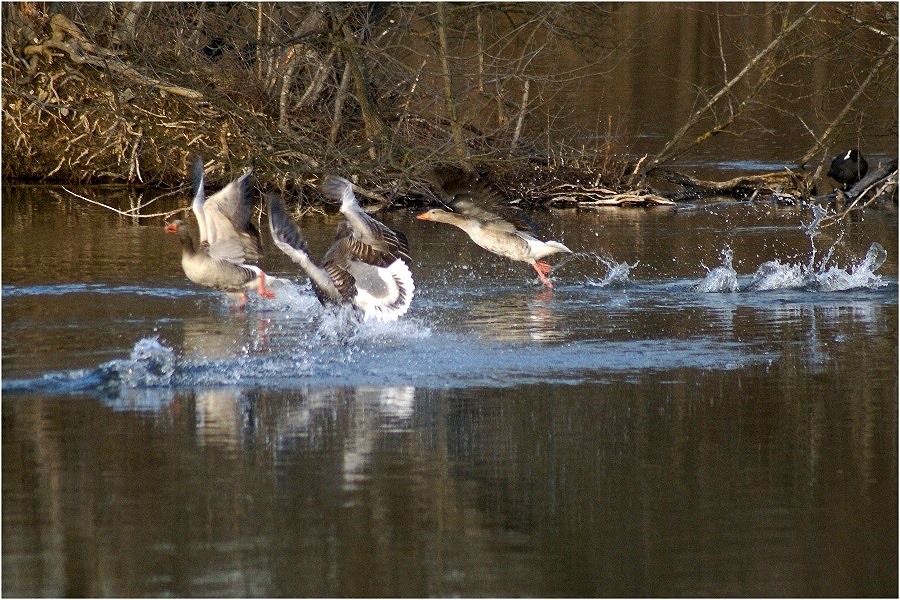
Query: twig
point(891, 52)
point(885, 184)
point(694, 118)
point(318, 81)
point(127, 213)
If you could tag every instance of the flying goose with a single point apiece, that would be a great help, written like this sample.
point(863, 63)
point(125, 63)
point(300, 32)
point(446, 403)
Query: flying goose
point(365, 265)
point(512, 238)
point(228, 240)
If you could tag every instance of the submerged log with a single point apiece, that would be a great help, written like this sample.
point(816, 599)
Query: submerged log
point(744, 187)
point(879, 186)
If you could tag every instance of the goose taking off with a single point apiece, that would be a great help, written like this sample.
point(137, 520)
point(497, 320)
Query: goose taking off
point(512, 238)
point(364, 267)
point(228, 240)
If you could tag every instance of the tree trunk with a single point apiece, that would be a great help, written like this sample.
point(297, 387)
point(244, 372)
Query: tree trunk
point(375, 128)
point(455, 127)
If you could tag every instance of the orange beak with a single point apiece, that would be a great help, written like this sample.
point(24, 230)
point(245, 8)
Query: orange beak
point(423, 217)
point(171, 228)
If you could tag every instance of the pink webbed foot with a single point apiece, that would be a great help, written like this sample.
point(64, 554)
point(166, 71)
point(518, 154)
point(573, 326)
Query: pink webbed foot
point(262, 290)
point(543, 269)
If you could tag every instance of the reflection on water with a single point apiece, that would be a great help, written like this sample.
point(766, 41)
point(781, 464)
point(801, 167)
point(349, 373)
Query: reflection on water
point(652, 426)
point(516, 317)
point(219, 418)
point(671, 61)
point(368, 414)
point(426, 492)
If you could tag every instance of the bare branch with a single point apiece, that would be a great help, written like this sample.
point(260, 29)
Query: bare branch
point(132, 212)
point(666, 152)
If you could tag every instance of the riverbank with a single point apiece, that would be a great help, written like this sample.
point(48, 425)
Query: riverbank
point(383, 93)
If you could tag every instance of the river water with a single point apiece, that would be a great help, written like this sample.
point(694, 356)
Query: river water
point(706, 404)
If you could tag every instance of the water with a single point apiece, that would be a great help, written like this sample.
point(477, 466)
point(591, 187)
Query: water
point(706, 404)
point(671, 51)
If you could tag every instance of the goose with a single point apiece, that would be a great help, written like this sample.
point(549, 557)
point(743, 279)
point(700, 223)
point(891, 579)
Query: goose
point(364, 267)
point(848, 168)
point(512, 238)
point(228, 240)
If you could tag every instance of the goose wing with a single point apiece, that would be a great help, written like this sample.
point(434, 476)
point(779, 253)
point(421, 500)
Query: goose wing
point(381, 291)
point(288, 239)
point(367, 239)
point(227, 214)
point(475, 199)
point(338, 259)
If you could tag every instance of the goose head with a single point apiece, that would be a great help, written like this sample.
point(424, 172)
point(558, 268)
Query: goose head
point(180, 228)
point(442, 216)
point(174, 226)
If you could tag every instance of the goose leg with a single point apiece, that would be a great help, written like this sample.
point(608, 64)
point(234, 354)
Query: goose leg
point(543, 269)
point(262, 290)
point(240, 302)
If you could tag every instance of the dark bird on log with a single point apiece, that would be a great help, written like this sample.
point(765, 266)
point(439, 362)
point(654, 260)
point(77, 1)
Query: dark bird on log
point(848, 168)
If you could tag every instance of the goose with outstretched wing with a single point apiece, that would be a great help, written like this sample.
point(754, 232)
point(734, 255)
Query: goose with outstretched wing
point(474, 209)
point(366, 265)
point(229, 241)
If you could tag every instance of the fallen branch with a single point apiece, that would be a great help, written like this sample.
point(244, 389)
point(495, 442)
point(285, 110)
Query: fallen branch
point(744, 186)
point(132, 212)
point(877, 186)
point(571, 194)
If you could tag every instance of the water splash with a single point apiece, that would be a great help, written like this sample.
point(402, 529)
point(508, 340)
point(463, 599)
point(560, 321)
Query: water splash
point(390, 332)
point(819, 214)
point(812, 231)
point(290, 297)
point(722, 278)
point(775, 275)
point(815, 275)
point(618, 274)
point(860, 275)
point(339, 324)
point(150, 365)
point(818, 276)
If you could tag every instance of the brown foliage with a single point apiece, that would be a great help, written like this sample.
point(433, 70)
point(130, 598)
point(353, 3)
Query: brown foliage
point(298, 89)
point(127, 92)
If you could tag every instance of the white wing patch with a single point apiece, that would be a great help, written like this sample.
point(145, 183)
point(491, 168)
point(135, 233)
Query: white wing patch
point(295, 255)
point(393, 300)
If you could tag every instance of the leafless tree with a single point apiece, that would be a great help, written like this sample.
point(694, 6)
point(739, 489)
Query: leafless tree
point(127, 91)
